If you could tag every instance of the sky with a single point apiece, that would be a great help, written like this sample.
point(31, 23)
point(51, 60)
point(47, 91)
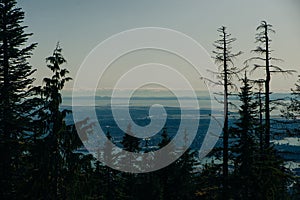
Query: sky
point(81, 25)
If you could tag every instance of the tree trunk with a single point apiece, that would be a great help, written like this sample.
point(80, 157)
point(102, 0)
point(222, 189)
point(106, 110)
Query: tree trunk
point(267, 90)
point(225, 128)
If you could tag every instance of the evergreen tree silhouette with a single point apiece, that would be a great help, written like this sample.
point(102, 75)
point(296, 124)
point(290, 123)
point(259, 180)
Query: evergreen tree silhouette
point(264, 51)
point(16, 98)
point(59, 168)
point(227, 71)
point(129, 180)
point(291, 111)
point(245, 147)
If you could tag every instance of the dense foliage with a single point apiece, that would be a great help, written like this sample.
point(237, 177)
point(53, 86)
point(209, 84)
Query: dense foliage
point(38, 149)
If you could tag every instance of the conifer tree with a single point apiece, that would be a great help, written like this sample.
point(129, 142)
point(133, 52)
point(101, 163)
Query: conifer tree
point(59, 168)
point(291, 111)
point(129, 180)
point(245, 148)
point(55, 127)
point(166, 174)
point(177, 180)
point(110, 176)
point(16, 102)
point(224, 57)
point(130, 143)
point(256, 173)
point(260, 128)
point(264, 56)
point(185, 175)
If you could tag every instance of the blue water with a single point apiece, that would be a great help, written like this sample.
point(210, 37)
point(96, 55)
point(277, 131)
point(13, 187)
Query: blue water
point(140, 116)
point(139, 112)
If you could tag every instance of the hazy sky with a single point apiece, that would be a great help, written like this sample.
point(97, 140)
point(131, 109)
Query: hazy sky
point(82, 24)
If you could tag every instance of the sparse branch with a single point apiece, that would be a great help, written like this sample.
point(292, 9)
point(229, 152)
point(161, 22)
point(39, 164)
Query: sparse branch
point(264, 52)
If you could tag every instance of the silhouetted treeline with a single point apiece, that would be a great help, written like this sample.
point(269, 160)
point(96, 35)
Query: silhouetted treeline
point(38, 157)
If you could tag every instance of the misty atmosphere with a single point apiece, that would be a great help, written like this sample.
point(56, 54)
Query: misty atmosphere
point(129, 100)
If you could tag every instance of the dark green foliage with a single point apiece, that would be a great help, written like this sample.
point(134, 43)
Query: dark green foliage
point(291, 111)
point(275, 177)
point(129, 181)
point(296, 189)
point(166, 175)
point(245, 149)
point(130, 143)
point(55, 132)
point(38, 150)
point(58, 170)
point(185, 176)
point(264, 56)
point(209, 181)
point(256, 173)
point(108, 183)
point(294, 107)
point(16, 99)
point(178, 179)
point(224, 57)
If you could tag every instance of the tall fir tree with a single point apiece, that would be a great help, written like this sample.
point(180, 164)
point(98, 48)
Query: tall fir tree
point(16, 102)
point(256, 173)
point(55, 127)
point(265, 57)
point(245, 147)
point(58, 168)
point(224, 58)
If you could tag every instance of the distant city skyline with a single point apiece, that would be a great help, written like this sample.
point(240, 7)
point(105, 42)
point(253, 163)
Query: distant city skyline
point(81, 25)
